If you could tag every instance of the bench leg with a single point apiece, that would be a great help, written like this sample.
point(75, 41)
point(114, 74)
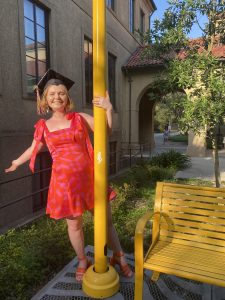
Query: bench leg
point(138, 290)
point(155, 276)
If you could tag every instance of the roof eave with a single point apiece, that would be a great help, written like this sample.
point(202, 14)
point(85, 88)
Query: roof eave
point(153, 4)
point(145, 67)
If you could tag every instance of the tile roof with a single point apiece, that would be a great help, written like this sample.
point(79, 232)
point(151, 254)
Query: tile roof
point(139, 59)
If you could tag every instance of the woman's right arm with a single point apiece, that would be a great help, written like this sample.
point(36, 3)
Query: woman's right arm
point(24, 157)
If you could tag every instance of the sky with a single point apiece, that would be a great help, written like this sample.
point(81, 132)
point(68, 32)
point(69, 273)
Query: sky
point(162, 5)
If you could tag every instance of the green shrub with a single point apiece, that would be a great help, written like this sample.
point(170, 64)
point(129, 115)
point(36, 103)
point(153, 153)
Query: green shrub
point(160, 174)
point(171, 159)
point(30, 256)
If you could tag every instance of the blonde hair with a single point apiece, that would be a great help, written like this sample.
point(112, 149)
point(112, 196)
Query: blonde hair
point(42, 104)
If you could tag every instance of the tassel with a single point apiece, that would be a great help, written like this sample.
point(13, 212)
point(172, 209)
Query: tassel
point(39, 110)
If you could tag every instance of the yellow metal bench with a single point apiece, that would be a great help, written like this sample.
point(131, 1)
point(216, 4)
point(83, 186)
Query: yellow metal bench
point(188, 235)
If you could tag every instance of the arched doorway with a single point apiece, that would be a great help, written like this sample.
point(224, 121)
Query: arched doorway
point(146, 122)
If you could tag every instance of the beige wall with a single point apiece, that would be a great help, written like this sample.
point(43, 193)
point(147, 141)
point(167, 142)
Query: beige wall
point(196, 145)
point(69, 21)
point(122, 12)
point(141, 82)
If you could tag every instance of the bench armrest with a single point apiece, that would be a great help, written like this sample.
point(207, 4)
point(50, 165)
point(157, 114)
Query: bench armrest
point(142, 223)
point(139, 238)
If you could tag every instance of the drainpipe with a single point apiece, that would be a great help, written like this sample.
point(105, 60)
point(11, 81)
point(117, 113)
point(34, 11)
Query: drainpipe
point(130, 81)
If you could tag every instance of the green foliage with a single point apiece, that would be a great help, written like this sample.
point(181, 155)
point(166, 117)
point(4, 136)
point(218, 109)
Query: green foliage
point(191, 66)
point(181, 138)
point(195, 69)
point(157, 173)
point(162, 116)
point(171, 159)
point(30, 255)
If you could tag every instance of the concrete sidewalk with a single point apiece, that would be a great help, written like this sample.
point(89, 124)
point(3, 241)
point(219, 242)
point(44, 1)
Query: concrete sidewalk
point(201, 167)
point(64, 286)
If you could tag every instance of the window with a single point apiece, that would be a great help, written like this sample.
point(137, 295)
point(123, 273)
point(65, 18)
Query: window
point(36, 42)
point(112, 158)
point(142, 22)
point(88, 57)
point(111, 4)
point(112, 78)
point(132, 13)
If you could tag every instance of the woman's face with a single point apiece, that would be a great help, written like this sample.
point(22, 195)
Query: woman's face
point(57, 97)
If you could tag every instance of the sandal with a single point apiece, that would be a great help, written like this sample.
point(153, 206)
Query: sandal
point(80, 271)
point(124, 267)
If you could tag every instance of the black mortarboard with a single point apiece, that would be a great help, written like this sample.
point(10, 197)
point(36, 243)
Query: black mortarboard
point(52, 77)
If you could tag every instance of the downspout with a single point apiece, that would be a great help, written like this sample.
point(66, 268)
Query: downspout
point(129, 138)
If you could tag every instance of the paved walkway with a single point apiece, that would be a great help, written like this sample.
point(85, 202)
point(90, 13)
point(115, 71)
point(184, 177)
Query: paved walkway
point(64, 287)
point(201, 167)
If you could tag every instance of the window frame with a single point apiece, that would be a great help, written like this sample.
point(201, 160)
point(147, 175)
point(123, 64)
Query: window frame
point(113, 99)
point(26, 94)
point(132, 16)
point(87, 103)
point(112, 157)
point(111, 5)
point(142, 21)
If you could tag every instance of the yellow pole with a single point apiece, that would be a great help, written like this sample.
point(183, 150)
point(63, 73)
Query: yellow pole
point(100, 280)
point(100, 137)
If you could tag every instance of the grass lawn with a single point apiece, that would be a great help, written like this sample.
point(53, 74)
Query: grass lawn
point(179, 138)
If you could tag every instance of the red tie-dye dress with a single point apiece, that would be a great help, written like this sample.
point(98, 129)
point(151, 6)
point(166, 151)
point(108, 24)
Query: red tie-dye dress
point(71, 189)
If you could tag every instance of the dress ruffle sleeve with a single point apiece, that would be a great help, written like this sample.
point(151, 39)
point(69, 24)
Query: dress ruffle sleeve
point(39, 137)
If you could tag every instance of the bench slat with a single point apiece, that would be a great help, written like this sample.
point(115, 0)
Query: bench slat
point(201, 260)
point(204, 191)
point(194, 211)
point(166, 267)
point(197, 198)
point(189, 217)
point(201, 266)
point(196, 204)
point(195, 224)
point(192, 243)
point(180, 252)
point(196, 231)
point(192, 238)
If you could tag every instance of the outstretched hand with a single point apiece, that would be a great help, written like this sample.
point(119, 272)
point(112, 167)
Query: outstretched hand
point(103, 102)
point(12, 168)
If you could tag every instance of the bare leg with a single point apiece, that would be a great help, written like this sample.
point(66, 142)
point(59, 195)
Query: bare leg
point(76, 236)
point(113, 239)
point(114, 244)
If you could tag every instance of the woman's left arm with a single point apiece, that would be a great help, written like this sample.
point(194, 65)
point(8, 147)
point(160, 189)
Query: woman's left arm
point(102, 103)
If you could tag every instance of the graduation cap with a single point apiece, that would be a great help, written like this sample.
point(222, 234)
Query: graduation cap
point(51, 77)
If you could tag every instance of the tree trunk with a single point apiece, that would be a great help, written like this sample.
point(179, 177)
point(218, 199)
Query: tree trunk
point(216, 162)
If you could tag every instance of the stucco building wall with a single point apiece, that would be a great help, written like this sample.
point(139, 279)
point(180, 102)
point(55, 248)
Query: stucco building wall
point(69, 22)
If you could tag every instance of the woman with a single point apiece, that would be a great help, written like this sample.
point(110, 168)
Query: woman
point(71, 186)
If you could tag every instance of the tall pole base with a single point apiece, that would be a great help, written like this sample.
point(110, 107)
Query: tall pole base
point(100, 285)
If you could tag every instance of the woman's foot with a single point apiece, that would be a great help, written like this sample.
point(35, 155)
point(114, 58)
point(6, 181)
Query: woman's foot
point(119, 259)
point(84, 263)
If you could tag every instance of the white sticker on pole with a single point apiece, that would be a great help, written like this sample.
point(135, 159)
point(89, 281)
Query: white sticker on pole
point(99, 157)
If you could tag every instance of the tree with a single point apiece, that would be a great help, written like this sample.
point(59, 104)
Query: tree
point(193, 66)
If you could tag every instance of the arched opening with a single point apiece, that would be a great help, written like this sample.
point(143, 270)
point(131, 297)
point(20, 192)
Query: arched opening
point(146, 121)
